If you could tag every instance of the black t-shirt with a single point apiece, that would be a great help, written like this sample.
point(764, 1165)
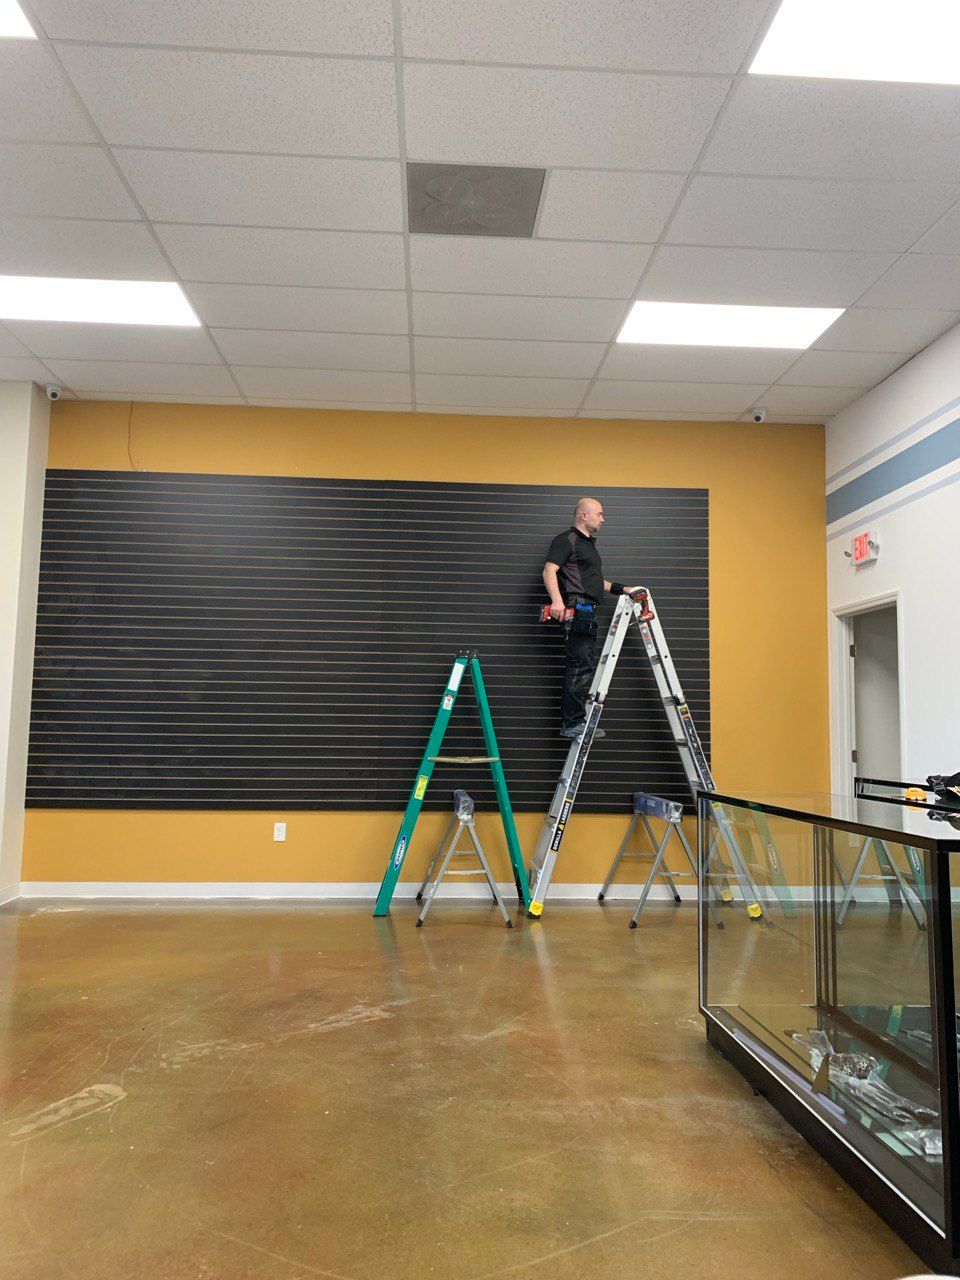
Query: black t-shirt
point(581, 573)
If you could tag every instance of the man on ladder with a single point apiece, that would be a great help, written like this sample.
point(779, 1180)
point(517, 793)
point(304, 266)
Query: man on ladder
point(573, 577)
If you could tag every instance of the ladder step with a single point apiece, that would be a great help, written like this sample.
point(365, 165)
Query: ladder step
point(478, 871)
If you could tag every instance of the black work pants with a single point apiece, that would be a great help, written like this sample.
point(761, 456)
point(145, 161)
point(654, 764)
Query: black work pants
point(581, 655)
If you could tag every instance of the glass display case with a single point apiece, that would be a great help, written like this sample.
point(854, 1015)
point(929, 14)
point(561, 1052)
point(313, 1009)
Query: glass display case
point(827, 959)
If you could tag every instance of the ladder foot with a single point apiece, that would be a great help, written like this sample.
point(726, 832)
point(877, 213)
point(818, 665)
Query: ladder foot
point(419, 924)
point(599, 897)
point(633, 924)
point(509, 924)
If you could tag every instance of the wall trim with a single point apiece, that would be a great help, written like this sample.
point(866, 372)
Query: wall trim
point(308, 890)
point(363, 891)
point(10, 893)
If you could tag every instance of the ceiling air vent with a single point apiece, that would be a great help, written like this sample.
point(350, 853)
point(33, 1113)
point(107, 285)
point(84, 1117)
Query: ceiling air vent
point(472, 200)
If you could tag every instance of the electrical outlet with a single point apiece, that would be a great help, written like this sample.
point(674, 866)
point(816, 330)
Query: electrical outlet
point(279, 831)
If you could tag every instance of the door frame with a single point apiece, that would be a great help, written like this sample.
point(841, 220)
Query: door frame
point(843, 727)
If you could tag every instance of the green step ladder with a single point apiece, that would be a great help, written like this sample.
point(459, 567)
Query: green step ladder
point(465, 660)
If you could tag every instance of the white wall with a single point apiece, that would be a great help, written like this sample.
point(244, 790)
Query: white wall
point(24, 430)
point(918, 520)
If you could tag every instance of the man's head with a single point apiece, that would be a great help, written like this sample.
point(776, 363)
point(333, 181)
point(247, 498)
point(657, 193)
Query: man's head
point(588, 516)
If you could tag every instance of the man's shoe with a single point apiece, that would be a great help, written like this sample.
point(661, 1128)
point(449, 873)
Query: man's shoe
point(576, 731)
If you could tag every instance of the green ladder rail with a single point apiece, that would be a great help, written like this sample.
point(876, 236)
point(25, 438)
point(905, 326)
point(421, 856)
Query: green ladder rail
point(465, 660)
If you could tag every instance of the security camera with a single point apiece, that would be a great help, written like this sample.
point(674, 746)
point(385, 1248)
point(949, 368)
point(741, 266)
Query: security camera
point(53, 391)
point(759, 413)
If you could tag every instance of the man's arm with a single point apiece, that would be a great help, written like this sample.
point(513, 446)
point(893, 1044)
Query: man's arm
point(557, 607)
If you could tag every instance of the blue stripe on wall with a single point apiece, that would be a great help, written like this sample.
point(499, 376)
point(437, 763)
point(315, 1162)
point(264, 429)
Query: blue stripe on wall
point(919, 460)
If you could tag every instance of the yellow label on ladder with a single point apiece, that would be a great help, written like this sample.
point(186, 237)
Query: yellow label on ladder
point(536, 908)
point(421, 788)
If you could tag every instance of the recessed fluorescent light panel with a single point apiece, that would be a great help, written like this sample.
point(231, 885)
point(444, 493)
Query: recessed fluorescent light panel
point(914, 42)
point(13, 22)
point(698, 324)
point(95, 301)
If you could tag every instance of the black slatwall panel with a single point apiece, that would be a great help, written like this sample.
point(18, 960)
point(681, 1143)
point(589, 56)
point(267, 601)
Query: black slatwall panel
point(250, 642)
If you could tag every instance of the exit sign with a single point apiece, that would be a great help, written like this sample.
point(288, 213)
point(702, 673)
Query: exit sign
point(866, 547)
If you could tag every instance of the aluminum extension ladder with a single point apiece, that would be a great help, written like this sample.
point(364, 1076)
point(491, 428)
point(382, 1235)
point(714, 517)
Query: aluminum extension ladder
point(462, 819)
point(639, 608)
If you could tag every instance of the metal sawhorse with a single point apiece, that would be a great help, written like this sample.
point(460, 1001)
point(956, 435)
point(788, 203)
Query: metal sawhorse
point(447, 849)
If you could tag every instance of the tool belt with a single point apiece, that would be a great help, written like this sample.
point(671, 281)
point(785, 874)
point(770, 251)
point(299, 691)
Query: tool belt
point(584, 620)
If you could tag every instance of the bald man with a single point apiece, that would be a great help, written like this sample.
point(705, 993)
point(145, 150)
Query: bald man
point(573, 576)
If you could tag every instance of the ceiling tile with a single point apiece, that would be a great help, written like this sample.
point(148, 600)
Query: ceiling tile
point(22, 369)
point(265, 191)
point(628, 360)
point(400, 406)
point(944, 236)
point(140, 378)
point(581, 118)
point(665, 397)
point(250, 255)
point(589, 204)
point(143, 342)
point(314, 350)
point(77, 182)
point(918, 280)
point(63, 247)
point(500, 411)
point(676, 35)
point(9, 346)
point(790, 213)
point(519, 358)
point(501, 393)
point(35, 103)
point(335, 26)
point(809, 400)
point(842, 368)
point(324, 384)
point(552, 319)
point(262, 306)
point(839, 129)
point(558, 268)
point(886, 329)
point(647, 415)
point(777, 277)
point(238, 101)
point(158, 397)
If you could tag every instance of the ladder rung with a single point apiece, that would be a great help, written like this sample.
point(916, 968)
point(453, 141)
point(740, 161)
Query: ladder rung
point(477, 871)
point(681, 742)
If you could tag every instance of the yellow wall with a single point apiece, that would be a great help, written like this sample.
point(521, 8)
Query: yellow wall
point(768, 648)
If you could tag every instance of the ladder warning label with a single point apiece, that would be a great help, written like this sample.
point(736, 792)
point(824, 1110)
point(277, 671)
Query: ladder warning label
point(401, 847)
point(420, 790)
point(561, 823)
point(447, 701)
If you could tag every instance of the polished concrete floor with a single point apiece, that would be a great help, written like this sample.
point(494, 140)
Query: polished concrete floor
point(267, 1093)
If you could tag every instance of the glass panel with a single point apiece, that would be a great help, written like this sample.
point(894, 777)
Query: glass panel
point(830, 977)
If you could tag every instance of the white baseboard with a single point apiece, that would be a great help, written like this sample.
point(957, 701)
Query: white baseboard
point(353, 891)
point(9, 893)
point(363, 891)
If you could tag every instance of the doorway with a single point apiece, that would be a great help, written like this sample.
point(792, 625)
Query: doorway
point(875, 664)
